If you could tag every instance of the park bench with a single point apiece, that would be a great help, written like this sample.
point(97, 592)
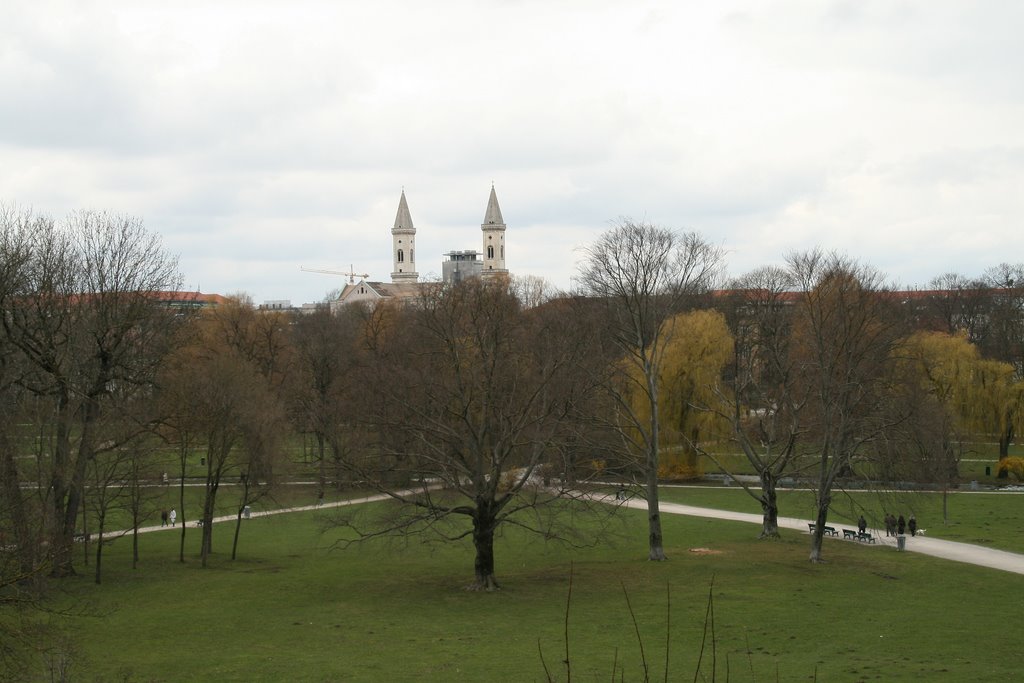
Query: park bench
point(849, 533)
point(866, 537)
point(830, 530)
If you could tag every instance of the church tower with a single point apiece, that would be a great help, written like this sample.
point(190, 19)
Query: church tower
point(493, 229)
point(403, 245)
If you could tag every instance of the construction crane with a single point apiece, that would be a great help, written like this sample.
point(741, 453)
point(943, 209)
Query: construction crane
point(352, 275)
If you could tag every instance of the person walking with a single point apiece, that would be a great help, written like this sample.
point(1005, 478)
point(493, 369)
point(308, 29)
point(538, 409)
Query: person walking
point(912, 525)
point(163, 518)
point(173, 516)
point(901, 525)
point(890, 524)
point(862, 524)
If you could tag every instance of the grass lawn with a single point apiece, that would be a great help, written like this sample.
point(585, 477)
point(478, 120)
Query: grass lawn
point(290, 609)
point(985, 518)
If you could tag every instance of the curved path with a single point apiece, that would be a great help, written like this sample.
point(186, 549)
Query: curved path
point(947, 550)
point(111, 535)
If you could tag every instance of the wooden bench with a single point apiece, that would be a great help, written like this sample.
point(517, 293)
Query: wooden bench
point(830, 530)
point(865, 536)
point(849, 533)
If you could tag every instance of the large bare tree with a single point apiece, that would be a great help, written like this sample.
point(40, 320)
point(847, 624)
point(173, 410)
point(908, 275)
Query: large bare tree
point(642, 275)
point(473, 396)
point(846, 328)
point(764, 402)
point(220, 393)
point(86, 320)
point(323, 387)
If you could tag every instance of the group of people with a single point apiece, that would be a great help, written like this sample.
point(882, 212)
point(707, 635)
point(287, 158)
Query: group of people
point(897, 526)
point(166, 517)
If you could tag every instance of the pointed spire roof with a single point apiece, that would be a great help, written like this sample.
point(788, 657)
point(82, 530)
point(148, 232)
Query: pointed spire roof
point(403, 219)
point(493, 214)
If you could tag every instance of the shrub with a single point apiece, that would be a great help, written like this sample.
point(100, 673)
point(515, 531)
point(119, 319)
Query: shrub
point(1014, 466)
point(679, 469)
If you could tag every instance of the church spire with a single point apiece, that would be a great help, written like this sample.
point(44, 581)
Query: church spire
point(493, 214)
point(493, 229)
point(403, 245)
point(403, 219)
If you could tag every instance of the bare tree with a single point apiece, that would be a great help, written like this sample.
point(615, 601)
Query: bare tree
point(15, 527)
point(322, 387)
point(643, 275)
point(214, 399)
point(1005, 338)
point(765, 402)
point(959, 304)
point(472, 395)
point(846, 328)
point(87, 321)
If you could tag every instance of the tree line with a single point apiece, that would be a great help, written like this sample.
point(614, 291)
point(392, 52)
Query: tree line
point(492, 402)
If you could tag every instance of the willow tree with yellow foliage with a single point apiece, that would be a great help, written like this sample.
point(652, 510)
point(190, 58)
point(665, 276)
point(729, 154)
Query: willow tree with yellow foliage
point(691, 372)
point(995, 404)
point(939, 373)
point(644, 275)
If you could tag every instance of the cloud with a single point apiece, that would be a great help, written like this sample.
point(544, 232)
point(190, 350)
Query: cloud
point(261, 136)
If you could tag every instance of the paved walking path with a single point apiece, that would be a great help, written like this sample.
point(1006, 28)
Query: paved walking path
point(254, 514)
point(947, 550)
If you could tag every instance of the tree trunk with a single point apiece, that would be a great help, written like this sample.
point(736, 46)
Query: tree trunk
point(483, 541)
point(19, 520)
point(61, 541)
point(819, 529)
point(769, 505)
point(99, 551)
point(1005, 439)
point(655, 540)
point(322, 464)
point(86, 537)
point(181, 500)
point(209, 505)
point(206, 546)
point(238, 528)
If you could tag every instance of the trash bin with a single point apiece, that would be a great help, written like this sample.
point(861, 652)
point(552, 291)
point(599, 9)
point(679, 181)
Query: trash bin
point(901, 543)
point(988, 471)
point(246, 512)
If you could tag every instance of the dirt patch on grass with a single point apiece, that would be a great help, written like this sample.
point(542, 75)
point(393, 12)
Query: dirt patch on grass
point(705, 551)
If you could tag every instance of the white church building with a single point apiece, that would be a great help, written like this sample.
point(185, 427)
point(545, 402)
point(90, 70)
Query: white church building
point(458, 265)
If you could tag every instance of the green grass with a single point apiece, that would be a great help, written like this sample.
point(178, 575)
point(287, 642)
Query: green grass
point(290, 609)
point(990, 519)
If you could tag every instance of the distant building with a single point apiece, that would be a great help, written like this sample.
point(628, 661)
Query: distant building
point(457, 266)
point(461, 265)
point(189, 300)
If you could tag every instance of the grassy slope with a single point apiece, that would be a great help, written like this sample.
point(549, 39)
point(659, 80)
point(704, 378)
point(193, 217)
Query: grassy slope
point(291, 610)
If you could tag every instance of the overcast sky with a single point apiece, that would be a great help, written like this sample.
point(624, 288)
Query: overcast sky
point(258, 137)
